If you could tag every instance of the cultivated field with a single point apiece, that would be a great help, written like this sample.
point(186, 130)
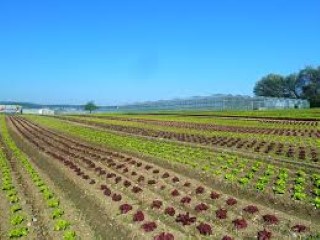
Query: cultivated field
point(195, 175)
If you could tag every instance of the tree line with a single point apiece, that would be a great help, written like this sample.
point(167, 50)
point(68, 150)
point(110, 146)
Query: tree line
point(302, 85)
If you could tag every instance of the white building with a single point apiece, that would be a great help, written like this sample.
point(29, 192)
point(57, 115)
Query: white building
point(46, 111)
point(42, 111)
point(10, 109)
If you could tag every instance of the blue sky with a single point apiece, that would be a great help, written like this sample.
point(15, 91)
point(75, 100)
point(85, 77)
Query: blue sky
point(117, 51)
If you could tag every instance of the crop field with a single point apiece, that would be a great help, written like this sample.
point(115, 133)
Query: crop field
point(201, 175)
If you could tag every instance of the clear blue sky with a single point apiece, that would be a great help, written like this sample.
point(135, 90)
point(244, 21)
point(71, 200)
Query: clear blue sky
point(116, 51)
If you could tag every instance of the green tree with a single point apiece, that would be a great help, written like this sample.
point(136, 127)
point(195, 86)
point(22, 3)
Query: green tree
point(304, 85)
point(272, 85)
point(90, 106)
point(308, 85)
point(290, 89)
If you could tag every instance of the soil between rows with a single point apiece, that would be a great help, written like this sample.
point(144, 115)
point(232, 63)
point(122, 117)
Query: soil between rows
point(306, 155)
point(86, 204)
point(278, 161)
point(233, 190)
point(37, 225)
point(39, 221)
point(57, 147)
point(63, 153)
point(214, 127)
point(294, 119)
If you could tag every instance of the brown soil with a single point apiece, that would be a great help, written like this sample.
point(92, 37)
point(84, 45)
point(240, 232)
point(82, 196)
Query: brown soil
point(30, 207)
point(309, 154)
point(112, 162)
point(313, 133)
point(78, 196)
point(4, 214)
point(246, 151)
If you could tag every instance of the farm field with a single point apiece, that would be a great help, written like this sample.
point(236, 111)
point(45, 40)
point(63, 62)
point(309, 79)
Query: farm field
point(159, 120)
point(230, 175)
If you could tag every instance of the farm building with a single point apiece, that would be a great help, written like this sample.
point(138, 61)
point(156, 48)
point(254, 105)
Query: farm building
point(219, 102)
point(46, 111)
point(10, 109)
point(42, 111)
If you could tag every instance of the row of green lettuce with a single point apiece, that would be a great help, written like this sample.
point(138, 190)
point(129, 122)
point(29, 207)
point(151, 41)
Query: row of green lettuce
point(16, 215)
point(51, 200)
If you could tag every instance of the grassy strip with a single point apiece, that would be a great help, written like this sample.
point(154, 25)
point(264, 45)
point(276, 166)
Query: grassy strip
point(49, 197)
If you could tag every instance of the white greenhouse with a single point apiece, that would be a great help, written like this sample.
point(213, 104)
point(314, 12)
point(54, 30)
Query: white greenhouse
point(218, 102)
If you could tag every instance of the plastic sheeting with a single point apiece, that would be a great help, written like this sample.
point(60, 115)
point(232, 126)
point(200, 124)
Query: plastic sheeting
point(219, 102)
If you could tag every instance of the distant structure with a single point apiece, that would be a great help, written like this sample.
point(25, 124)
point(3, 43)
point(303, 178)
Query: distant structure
point(218, 102)
point(11, 109)
point(46, 111)
point(41, 111)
